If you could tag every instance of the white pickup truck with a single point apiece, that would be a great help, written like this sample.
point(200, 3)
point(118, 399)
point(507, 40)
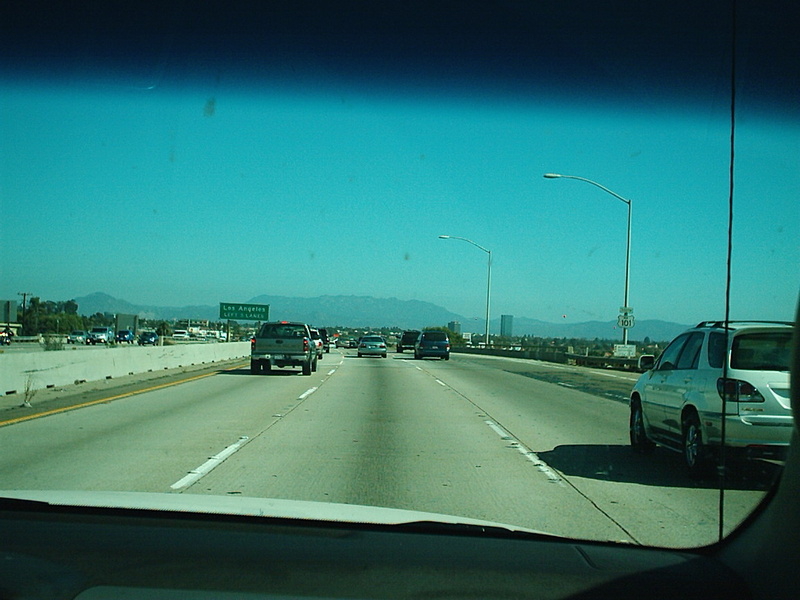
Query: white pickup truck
point(283, 344)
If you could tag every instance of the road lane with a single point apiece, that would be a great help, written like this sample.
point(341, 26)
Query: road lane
point(584, 437)
point(385, 433)
point(497, 439)
point(148, 441)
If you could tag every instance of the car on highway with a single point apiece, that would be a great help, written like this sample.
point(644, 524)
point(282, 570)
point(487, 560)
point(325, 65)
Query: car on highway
point(372, 345)
point(100, 335)
point(77, 336)
point(125, 336)
point(326, 340)
point(317, 338)
point(148, 338)
point(739, 369)
point(407, 340)
point(432, 344)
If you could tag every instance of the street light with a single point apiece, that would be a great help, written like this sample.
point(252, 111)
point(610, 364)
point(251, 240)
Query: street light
point(626, 318)
point(488, 279)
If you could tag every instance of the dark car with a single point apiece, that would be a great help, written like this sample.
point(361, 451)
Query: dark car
point(148, 337)
point(125, 336)
point(407, 340)
point(432, 343)
point(326, 341)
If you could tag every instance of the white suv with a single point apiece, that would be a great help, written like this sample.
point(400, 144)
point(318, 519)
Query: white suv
point(741, 370)
point(100, 335)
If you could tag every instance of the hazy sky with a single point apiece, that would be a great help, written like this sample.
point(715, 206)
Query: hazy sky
point(194, 192)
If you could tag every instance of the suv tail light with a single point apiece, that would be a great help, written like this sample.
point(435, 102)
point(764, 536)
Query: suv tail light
point(252, 343)
point(736, 390)
point(305, 344)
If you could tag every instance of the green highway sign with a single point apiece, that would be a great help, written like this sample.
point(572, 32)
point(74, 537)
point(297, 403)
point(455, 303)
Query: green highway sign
point(243, 312)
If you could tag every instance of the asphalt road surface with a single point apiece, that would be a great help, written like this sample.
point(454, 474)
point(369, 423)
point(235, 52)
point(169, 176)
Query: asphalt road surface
point(520, 442)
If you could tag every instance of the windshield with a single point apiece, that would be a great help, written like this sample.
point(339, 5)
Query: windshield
point(558, 188)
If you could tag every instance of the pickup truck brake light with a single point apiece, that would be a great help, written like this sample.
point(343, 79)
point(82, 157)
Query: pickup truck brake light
point(252, 343)
point(305, 344)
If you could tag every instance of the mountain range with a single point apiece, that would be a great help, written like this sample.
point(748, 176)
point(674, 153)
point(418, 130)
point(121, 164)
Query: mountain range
point(365, 312)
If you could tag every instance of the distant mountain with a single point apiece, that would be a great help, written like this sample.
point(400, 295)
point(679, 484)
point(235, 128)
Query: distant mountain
point(367, 312)
point(103, 303)
point(589, 330)
point(349, 311)
point(359, 311)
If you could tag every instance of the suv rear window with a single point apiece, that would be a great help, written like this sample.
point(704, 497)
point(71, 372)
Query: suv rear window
point(764, 351)
point(434, 336)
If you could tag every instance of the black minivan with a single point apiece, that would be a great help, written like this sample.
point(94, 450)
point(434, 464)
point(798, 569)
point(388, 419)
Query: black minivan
point(407, 340)
point(432, 343)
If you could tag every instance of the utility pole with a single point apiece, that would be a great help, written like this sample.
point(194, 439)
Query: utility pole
point(24, 300)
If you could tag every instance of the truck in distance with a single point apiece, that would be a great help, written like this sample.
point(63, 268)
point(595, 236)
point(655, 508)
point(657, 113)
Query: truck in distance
point(283, 344)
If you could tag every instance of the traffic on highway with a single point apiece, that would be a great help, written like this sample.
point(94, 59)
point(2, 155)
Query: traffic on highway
point(399, 300)
point(545, 445)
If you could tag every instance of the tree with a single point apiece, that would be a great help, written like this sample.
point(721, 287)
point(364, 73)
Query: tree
point(163, 329)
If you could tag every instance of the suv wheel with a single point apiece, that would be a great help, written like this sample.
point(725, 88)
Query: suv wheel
point(639, 441)
point(255, 367)
point(694, 451)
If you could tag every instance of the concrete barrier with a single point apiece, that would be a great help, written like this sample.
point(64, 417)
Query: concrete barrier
point(38, 370)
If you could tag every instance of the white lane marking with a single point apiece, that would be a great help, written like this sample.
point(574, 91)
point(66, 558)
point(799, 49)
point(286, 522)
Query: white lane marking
point(569, 385)
point(441, 383)
point(307, 393)
point(331, 372)
point(209, 465)
point(527, 453)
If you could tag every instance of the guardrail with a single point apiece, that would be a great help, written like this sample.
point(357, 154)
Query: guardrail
point(545, 354)
point(561, 357)
point(607, 362)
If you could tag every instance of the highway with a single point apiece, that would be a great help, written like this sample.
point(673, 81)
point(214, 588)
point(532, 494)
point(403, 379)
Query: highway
point(526, 443)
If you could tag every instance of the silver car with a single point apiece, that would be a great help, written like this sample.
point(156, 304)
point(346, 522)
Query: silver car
point(100, 335)
point(77, 337)
point(739, 369)
point(372, 345)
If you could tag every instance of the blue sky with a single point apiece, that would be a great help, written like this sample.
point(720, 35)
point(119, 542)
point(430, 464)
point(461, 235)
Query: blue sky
point(202, 192)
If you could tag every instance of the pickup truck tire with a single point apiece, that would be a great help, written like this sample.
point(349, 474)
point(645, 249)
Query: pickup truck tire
point(255, 367)
point(307, 367)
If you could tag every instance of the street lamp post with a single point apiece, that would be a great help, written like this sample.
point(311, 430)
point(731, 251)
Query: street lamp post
point(488, 278)
point(627, 317)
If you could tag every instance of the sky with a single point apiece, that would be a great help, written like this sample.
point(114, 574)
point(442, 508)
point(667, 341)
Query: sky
point(174, 190)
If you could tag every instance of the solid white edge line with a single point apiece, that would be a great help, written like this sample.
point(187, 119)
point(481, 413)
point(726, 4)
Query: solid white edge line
point(209, 465)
